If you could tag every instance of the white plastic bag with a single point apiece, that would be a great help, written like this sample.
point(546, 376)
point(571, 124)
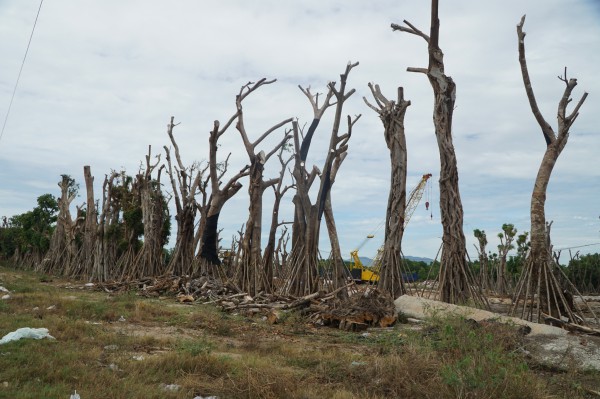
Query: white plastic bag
point(26, 332)
point(75, 396)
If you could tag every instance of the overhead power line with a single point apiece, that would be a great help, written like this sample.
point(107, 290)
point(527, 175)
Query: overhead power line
point(20, 71)
point(579, 246)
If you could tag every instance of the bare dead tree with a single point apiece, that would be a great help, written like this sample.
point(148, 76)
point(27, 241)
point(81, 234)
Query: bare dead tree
point(392, 115)
point(456, 281)
point(209, 258)
point(539, 291)
point(338, 269)
point(279, 190)
point(251, 276)
point(185, 182)
point(308, 215)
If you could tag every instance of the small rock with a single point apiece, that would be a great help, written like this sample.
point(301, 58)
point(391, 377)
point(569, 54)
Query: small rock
point(185, 298)
point(111, 347)
point(365, 335)
point(5, 297)
point(114, 367)
point(138, 358)
point(2, 289)
point(90, 285)
point(5, 384)
point(52, 307)
point(36, 308)
point(170, 387)
point(206, 397)
point(121, 319)
point(354, 364)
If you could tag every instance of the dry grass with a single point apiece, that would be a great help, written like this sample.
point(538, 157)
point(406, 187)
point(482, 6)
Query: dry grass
point(206, 352)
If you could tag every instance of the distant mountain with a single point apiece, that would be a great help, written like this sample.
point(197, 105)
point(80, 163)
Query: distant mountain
point(367, 261)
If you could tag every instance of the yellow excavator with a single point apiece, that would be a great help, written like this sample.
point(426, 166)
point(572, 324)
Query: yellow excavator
point(370, 274)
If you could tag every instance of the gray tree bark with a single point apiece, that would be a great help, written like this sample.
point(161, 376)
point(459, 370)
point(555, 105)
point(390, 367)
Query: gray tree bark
point(542, 290)
point(392, 114)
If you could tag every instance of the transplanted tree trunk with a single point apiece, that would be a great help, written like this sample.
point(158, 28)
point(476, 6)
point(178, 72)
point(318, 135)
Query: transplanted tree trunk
point(251, 274)
point(185, 182)
point(90, 231)
point(209, 254)
point(62, 253)
point(506, 239)
point(150, 261)
point(539, 288)
point(307, 216)
point(392, 114)
point(484, 276)
point(456, 281)
point(107, 236)
point(279, 190)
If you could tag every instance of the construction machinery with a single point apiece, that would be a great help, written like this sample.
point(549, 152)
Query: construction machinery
point(370, 274)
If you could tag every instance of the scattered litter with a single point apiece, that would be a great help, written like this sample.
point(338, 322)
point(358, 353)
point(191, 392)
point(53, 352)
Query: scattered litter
point(138, 358)
point(111, 347)
point(36, 308)
point(5, 296)
point(5, 384)
point(75, 396)
point(170, 387)
point(365, 334)
point(206, 397)
point(52, 307)
point(355, 363)
point(90, 285)
point(114, 367)
point(121, 319)
point(2, 289)
point(26, 332)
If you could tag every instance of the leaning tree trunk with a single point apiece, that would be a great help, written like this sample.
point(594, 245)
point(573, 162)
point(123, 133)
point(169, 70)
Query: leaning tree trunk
point(209, 251)
point(279, 191)
point(456, 281)
point(392, 115)
point(539, 288)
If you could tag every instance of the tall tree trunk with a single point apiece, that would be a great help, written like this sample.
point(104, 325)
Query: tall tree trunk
point(251, 276)
point(455, 278)
point(307, 216)
point(90, 231)
point(185, 183)
point(392, 115)
point(538, 287)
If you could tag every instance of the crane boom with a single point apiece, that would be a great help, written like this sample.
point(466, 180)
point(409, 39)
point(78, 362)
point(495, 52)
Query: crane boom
point(413, 200)
point(415, 196)
point(371, 274)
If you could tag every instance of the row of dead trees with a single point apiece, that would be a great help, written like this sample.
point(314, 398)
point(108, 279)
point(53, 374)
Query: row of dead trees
point(103, 240)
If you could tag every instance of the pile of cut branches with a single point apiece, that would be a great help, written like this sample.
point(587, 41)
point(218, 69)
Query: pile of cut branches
point(357, 312)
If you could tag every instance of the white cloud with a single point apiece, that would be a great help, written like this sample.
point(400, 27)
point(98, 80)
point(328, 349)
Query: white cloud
point(103, 78)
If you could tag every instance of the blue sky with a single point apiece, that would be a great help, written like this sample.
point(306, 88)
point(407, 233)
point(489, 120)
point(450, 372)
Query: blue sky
point(103, 78)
